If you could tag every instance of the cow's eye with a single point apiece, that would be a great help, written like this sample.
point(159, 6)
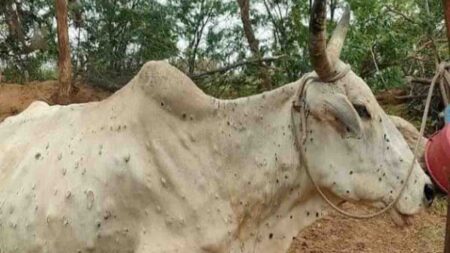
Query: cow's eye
point(362, 111)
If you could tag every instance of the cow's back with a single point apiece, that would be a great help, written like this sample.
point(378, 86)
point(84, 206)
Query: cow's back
point(92, 177)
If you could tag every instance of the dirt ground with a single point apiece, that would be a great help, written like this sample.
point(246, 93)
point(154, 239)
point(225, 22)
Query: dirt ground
point(337, 234)
point(332, 234)
point(14, 98)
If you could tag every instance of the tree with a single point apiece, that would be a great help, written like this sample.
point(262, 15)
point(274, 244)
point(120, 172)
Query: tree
point(196, 18)
point(25, 38)
point(120, 36)
point(64, 60)
point(388, 40)
point(446, 5)
point(244, 6)
point(285, 18)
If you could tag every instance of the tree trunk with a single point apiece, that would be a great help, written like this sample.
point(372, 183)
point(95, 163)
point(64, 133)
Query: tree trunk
point(14, 25)
point(253, 43)
point(333, 6)
point(446, 6)
point(200, 25)
point(64, 60)
point(447, 226)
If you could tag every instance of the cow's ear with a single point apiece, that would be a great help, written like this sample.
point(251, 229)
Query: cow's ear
point(336, 109)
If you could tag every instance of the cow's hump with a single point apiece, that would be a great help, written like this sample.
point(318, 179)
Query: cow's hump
point(167, 86)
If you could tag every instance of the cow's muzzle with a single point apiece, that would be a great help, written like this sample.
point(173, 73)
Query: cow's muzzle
point(429, 193)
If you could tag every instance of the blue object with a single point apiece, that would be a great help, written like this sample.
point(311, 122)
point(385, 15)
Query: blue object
point(447, 114)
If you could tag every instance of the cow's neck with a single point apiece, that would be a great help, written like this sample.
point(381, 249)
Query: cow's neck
point(237, 158)
point(269, 190)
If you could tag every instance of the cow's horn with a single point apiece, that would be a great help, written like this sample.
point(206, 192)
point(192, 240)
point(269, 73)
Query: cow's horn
point(337, 39)
point(323, 57)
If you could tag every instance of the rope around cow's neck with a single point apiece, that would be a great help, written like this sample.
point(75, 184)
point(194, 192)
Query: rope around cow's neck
point(297, 135)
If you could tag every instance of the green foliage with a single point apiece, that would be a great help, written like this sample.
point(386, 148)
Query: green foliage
point(121, 37)
point(18, 39)
point(110, 40)
point(110, 43)
point(393, 31)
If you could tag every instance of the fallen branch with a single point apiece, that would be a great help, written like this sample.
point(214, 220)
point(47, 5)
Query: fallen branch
point(235, 65)
point(408, 97)
point(390, 96)
point(425, 81)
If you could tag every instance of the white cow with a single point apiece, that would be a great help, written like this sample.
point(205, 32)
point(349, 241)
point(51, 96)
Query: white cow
point(162, 167)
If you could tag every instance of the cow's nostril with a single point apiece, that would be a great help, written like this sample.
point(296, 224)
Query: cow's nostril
point(429, 193)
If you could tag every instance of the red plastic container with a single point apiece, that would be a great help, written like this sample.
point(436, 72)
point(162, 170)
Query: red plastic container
point(437, 157)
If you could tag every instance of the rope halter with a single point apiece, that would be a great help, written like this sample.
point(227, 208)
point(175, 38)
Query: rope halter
point(301, 134)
